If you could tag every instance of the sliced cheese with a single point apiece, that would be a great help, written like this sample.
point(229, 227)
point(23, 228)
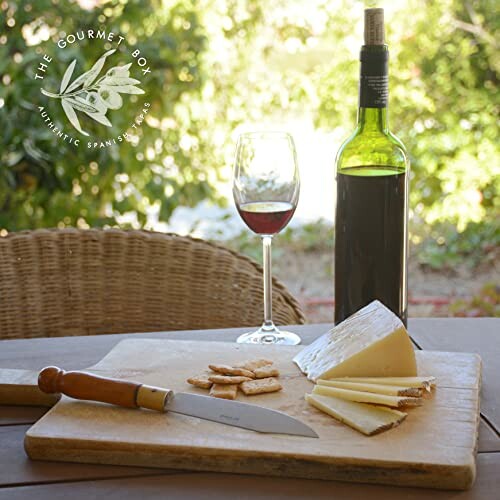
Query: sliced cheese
point(419, 382)
point(364, 418)
point(367, 397)
point(390, 390)
point(373, 342)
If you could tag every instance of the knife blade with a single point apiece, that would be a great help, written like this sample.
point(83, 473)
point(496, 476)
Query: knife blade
point(89, 387)
point(237, 414)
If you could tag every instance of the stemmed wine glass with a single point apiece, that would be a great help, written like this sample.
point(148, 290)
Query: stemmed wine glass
point(266, 189)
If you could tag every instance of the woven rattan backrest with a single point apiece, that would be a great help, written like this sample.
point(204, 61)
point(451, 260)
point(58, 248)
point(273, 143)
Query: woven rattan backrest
point(84, 282)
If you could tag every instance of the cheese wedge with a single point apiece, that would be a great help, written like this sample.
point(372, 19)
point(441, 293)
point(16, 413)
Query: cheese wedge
point(373, 342)
point(389, 390)
point(367, 397)
point(418, 382)
point(364, 418)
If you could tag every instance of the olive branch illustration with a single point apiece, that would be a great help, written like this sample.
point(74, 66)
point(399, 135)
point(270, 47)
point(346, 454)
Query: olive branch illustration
point(95, 96)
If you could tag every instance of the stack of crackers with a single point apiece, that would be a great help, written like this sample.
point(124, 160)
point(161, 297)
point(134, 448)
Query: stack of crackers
point(252, 377)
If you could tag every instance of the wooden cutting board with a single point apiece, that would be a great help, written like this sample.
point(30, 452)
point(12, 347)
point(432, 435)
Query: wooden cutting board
point(434, 447)
point(20, 387)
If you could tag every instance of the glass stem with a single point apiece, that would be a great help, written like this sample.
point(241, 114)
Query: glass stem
point(268, 286)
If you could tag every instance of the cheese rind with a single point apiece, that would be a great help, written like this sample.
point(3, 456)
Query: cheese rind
point(373, 342)
point(364, 418)
point(367, 397)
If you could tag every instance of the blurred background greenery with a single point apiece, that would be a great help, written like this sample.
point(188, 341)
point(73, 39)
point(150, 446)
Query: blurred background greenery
point(219, 65)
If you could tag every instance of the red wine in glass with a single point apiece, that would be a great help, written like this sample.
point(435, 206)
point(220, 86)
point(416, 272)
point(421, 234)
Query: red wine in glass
point(266, 217)
point(266, 187)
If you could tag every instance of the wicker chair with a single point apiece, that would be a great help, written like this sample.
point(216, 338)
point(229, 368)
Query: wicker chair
point(83, 282)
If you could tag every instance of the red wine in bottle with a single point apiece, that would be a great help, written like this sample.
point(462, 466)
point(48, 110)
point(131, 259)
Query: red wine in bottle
point(370, 258)
point(268, 217)
point(371, 223)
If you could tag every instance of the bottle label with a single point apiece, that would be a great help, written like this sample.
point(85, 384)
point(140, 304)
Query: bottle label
point(374, 79)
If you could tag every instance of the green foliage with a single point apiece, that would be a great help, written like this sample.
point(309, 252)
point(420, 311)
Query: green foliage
point(317, 236)
point(443, 103)
point(437, 247)
point(442, 246)
point(485, 303)
point(217, 64)
point(454, 76)
point(48, 182)
point(250, 244)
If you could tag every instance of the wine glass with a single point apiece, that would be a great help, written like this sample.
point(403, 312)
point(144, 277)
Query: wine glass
point(266, 189)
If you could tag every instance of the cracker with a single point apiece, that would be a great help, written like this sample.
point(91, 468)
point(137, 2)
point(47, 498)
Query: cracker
point(231, 370)
point(260, 386)
point(228, 379)
point(201, 381)
point(252, 364)
point(224, 391)
point(266, 371)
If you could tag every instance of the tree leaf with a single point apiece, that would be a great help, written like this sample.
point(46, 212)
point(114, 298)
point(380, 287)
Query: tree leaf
point(71, 114)
point(96, 100)
point(125, 67)
point(96, 69)
point(79, 81)
point(119, 70)
point(81, 104)
point(110, 81)
point(91, 74)
point(98, 117)
point(47, 93)
point(127, 89)
point(35, 152)
point(13, 158)
point(67, 76)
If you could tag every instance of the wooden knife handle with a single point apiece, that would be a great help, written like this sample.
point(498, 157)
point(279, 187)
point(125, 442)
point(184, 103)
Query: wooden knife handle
point(81, 385)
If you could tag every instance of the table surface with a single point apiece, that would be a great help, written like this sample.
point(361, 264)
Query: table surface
point(23, 478)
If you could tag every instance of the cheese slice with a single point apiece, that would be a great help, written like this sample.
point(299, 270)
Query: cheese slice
point(418, 382)
point(373, 342)
point(364, 418)
point(389, 390)
point(367, 397)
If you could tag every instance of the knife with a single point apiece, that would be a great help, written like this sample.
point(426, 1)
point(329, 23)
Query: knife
point(82, 385)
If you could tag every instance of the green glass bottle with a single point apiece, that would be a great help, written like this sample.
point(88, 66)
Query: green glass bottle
point(371, 223)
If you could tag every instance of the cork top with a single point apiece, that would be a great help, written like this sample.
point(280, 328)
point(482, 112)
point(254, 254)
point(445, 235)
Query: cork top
point(374, 27)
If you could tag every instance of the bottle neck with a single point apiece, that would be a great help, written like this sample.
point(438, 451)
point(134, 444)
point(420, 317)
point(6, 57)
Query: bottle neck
point(373, 88)
point(373, 119)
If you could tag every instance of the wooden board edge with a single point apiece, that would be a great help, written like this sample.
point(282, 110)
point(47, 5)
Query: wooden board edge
point(479, 362)
point(20, 388)
point(26, 395)
point(478, 406)
point(448, 477)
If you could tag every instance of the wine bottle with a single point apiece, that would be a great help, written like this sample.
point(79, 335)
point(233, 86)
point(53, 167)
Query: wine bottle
point(372, 167)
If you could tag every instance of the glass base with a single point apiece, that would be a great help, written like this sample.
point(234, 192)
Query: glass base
point(269, 335)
